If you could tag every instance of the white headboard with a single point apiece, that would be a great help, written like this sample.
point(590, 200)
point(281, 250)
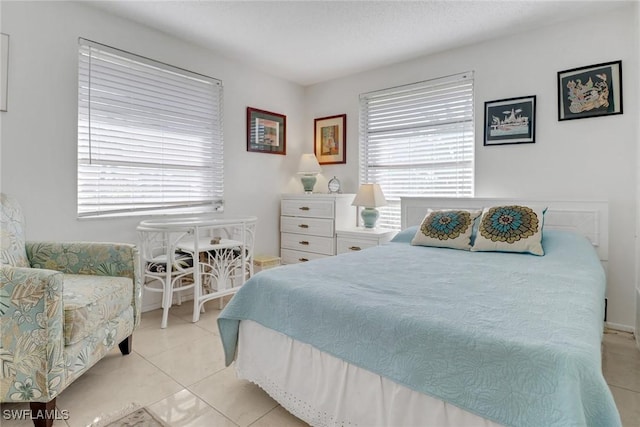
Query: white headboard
point(588, 218)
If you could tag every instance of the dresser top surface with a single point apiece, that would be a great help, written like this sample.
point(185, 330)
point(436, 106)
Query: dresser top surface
point(317, 196)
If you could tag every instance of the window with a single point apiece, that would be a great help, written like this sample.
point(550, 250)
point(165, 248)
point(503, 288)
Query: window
point(149, 136)
point(418, 140)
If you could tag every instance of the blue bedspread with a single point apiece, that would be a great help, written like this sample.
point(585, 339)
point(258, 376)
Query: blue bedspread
point(513, 338)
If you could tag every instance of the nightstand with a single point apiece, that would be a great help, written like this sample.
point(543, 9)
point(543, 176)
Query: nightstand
point(358, 238)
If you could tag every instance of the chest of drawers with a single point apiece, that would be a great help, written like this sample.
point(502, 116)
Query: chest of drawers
point(308, 224)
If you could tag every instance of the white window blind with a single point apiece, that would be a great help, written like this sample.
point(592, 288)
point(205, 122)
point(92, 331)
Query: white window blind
point(149, 135)
point(418, 140)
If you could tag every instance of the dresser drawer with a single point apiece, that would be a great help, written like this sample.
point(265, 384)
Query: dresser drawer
point(290, 256)
point(312, 226)
point(354, 245)
point(306, 243)
point(308, 208)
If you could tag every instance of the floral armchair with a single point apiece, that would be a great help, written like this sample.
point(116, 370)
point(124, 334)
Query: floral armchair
point(63, 306)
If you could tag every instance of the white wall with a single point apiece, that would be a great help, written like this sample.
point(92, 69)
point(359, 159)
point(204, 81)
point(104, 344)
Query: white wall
point(39, 130)
point(579, 159)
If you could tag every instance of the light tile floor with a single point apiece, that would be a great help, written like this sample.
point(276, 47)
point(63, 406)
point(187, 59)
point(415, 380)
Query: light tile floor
point(179, 374)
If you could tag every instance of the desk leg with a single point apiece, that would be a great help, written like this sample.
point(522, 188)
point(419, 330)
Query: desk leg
point(167, 296)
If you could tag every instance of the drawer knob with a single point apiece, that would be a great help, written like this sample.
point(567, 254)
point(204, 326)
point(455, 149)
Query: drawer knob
point(304, 208)
point(303, 259)
point(304, 242)
point(355, 248)
point(303, 226)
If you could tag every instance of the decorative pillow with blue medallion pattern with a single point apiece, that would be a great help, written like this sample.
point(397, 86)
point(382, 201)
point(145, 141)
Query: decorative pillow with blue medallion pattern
point(449, 228)
point(511, 229)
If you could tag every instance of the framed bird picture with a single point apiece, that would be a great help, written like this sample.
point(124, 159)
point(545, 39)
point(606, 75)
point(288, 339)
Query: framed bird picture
point(592, 91)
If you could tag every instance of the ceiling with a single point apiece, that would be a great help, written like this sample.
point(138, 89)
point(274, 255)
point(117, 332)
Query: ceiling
point(308, 42)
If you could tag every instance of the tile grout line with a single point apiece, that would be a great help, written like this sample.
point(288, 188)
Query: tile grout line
point(624, 388)
point(265, 414)
point(186, 387)
point(210, 405)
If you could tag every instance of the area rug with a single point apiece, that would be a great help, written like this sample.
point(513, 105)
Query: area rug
point(133, 415)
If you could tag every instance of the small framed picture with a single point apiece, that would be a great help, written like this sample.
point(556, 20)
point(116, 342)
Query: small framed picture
point(591, 91)
point(266, 131)
point(330, 141)
point(510, 121)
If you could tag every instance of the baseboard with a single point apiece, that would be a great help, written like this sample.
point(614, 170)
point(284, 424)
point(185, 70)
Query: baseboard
point(153, 300)
point(619, 327)
point(151, 307)
point(637, 333)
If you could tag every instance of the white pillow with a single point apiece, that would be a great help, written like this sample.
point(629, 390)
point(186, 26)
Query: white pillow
point(511, 228)
point(450, 228)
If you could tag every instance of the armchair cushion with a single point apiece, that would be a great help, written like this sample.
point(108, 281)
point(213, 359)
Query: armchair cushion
point(12, 237)
point(88, 258)
point(89, 301)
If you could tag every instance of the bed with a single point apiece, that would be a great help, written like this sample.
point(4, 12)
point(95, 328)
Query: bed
point(404, 335)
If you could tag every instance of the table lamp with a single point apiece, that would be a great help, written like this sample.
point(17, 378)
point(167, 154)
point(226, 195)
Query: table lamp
point(308, 169)
point(369, 197)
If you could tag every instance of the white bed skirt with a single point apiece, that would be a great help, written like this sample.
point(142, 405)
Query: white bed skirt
point(323, 390)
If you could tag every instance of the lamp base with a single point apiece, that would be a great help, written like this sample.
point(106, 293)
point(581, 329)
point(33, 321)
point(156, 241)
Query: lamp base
point(369, 217)
point(308, 181)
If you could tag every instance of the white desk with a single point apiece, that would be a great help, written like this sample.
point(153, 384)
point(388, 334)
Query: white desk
point(215, 265)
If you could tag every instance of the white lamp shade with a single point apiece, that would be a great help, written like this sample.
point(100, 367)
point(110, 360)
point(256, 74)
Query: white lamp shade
point(369, 196)
point(309, 165)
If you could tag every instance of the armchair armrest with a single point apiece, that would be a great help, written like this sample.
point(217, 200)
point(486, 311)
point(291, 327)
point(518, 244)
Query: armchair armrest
point(31, 327)
point(98, 259)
